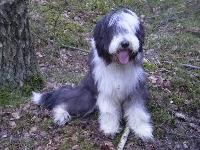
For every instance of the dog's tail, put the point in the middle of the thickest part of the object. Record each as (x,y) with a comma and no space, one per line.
(67,101)
(50,99)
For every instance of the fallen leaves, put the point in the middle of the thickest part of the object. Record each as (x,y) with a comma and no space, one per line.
(157,80)
(33,129)
(4,136)
(76,147)
(13,124)
(28,121)
(16,115)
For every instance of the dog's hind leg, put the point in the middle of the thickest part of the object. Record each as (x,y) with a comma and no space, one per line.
(60,115)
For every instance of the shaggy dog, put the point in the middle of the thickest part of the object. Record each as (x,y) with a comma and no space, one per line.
(116,82)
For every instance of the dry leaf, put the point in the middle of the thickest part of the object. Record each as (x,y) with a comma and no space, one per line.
(160,80)
(39,54)
(13,124)
(33,129)
(152,79)
(74,137)
(16,115)
(5,136)
(76,147)
(110,144)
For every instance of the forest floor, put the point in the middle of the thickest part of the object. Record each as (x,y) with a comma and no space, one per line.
(61,32)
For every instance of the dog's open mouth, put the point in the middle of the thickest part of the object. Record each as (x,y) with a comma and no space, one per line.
(123,56)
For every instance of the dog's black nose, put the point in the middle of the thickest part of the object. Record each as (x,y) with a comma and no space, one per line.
(124,43)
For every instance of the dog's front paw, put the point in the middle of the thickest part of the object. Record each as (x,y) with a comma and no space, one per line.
(110,131)
(144,131)
(109,128)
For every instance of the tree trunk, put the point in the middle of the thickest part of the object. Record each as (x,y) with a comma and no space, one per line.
(18,64)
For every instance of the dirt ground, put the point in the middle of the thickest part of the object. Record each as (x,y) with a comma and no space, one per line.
(29,126)
(172,40)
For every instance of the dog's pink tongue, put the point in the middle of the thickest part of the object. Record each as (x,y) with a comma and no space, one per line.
(123,57)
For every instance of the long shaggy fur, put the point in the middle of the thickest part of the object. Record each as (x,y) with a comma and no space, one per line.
(116,82)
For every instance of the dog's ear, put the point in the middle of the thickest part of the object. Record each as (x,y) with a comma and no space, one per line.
(102,35)
(140,34)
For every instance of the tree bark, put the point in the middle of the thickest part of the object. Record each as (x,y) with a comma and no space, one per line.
(18,61)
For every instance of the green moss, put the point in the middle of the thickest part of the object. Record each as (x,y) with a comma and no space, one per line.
(159,113)
(158,132)
(32,27)
(81,141)
(193,106)
(86,145)
(149,66)
(12,95)
(33,83)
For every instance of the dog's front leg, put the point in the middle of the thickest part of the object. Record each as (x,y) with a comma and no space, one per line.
(138,119)
(109,117)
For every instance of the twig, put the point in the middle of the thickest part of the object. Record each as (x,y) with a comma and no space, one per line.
(185,117)
(61,44)
(123,139)
(76,48)
(185,65)
(190,66)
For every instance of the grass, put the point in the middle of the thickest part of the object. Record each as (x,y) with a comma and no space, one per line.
(172,39)
(10,96)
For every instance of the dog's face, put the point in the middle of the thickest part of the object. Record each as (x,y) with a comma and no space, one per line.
(119,36)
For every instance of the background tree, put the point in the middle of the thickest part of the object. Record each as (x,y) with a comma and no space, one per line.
(18,64)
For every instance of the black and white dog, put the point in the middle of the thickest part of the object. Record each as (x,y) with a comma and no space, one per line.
(116,82)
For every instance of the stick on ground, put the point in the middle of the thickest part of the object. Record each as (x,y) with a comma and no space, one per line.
(123,139)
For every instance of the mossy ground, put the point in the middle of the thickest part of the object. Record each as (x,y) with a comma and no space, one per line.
(12,95)
(172,39)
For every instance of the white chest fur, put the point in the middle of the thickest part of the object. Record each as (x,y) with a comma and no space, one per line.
(115,80)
